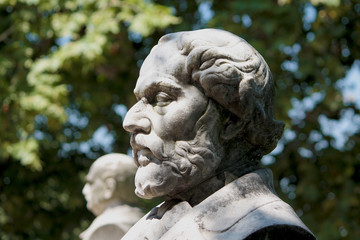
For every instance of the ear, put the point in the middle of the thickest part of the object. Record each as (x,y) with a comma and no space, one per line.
(110,187)
(232,129)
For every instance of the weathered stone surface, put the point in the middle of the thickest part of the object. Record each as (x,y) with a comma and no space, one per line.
(108,190)
(203,120)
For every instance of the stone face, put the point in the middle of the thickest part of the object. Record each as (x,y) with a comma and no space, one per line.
(108,191)
(203,120)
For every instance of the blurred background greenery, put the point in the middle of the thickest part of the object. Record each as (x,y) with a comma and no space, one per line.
(67,70)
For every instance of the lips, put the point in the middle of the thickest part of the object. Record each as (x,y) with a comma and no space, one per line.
(143,157)
(144,154)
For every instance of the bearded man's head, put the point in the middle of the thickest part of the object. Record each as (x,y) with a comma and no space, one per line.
(205,107)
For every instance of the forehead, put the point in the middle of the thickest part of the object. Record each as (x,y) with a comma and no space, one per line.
(164,65)
(94,173)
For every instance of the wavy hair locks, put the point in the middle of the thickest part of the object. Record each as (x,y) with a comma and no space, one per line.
(234,74)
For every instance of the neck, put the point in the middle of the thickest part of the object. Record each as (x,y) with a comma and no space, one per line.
(108,205)
(201,191)
(113,203)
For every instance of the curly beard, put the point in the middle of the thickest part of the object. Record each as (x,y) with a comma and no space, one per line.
(183,164)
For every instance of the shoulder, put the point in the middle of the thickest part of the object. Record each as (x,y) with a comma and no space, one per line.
(157,222)
(107,231)
(113,222)
(273,220)
(124,216)
(245,208)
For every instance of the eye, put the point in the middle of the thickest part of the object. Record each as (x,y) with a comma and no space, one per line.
(163,99)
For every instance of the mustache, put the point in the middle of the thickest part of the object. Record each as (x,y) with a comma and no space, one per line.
(157,147)
(176,155)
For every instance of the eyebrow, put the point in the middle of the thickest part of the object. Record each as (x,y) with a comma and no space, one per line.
(163,84)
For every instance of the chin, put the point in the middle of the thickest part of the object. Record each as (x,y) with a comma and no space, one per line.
(155,180)
(89,207)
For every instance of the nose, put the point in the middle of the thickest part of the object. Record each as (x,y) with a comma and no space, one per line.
(85,189)
(135,119)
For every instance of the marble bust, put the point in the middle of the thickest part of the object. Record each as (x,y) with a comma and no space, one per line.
(109,194)
(203,120)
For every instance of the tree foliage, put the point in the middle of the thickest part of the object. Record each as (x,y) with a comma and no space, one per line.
(67,70)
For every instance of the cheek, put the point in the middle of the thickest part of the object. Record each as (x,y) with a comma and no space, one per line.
(176,126)
(96,192)
(179,121)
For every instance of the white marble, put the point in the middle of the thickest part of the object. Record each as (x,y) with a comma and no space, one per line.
(109,190)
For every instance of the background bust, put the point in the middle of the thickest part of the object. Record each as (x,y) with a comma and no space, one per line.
(203,121)
(109,190)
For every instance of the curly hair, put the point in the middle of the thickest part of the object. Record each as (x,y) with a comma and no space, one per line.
(232,73)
